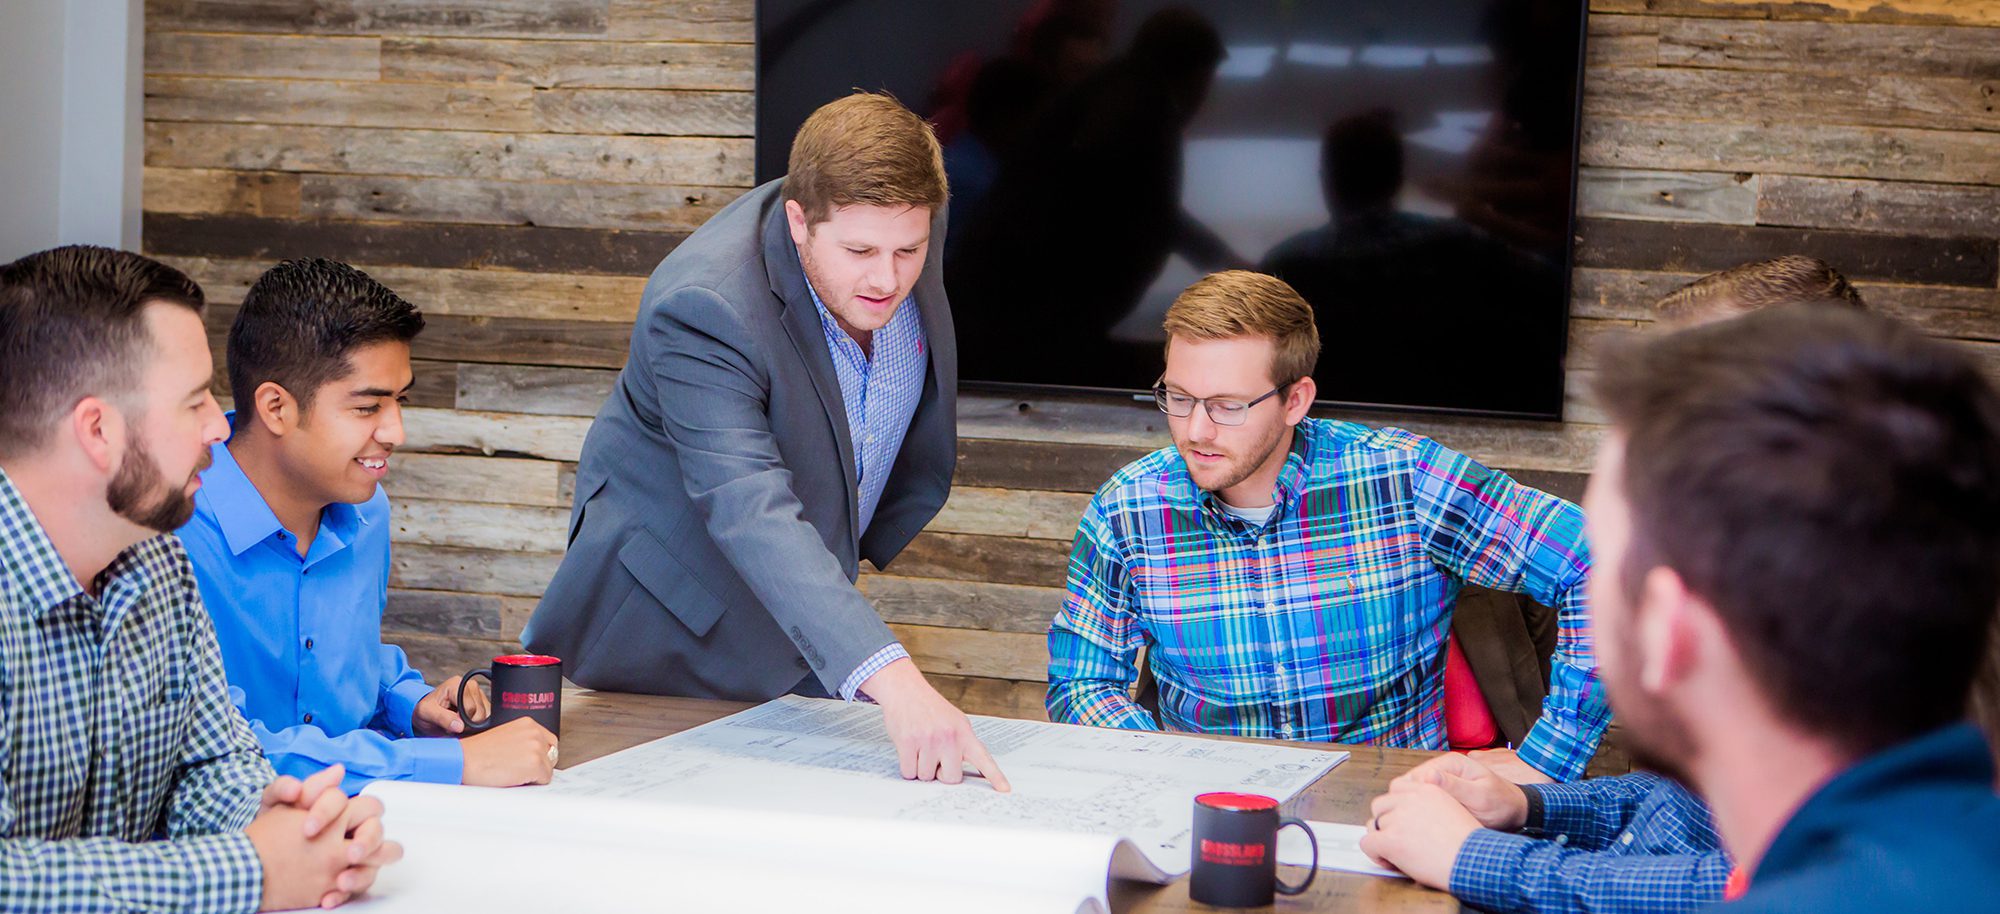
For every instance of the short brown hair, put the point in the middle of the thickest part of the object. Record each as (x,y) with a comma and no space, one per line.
(1789,280)
(70,328)
(864,149)
(1235,303)
(1829,481)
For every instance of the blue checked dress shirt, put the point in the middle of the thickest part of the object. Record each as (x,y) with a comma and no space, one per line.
(302,637)
(1636,843)
(126,778)
(879,394)
(1328,621)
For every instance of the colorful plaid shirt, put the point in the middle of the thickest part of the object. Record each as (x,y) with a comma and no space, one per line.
(126,776)
(1637,843)
(1328,622)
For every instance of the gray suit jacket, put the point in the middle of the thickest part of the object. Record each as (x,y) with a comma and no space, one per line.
(712,545)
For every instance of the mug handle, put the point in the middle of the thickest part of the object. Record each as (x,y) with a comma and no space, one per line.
(1311,839)
(472,726)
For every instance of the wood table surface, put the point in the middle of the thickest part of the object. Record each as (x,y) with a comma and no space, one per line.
(596,724)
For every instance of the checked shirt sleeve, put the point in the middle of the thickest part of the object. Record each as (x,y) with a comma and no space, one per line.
(1591,813)
(1483,527)
(1503,873)
(1095,638)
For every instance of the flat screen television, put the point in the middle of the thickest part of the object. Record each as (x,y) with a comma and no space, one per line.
(1409,166)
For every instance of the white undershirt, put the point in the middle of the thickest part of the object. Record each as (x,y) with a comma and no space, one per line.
(1255,517)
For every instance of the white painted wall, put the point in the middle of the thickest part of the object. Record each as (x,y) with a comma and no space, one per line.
(70,130)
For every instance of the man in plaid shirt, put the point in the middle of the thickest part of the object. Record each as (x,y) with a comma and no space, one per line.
(127,779)
(1294,578)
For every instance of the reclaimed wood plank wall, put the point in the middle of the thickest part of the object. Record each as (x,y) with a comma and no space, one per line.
(516,167)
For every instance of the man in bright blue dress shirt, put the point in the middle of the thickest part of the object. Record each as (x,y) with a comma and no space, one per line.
(290,543)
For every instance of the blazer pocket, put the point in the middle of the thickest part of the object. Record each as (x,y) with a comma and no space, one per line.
(670,582)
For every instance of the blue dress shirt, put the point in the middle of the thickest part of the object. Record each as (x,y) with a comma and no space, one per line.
(1635,843)
(302,637)
(879,395)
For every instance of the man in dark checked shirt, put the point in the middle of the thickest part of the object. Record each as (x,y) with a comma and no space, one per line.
(127,779)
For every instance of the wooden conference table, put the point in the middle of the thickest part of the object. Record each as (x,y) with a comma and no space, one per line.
(596,724)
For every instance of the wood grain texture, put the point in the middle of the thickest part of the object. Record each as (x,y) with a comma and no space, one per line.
(645,112)
(534,389)
(962,604)
(966,652)
(473,525)
(493,18)
(1923,12)
(215,192)
(1686,94)
(1898,207)
(278,56)
(492,480)
(482,292)
(1882,153)
(340,104)
(1622,41)
(1940,310)
(448,246)
(415,566)
(559,65)
(1672,196)
(682,20)
(1690,247)
(969,557)
(463,431)
(1011,513)
(387,198)
(1826,47)
(665,160)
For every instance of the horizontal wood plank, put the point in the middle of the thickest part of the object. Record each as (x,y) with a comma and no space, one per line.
(1011,513)
(962,604)
(992,697)
(1899,207)
(463,431)
(390,198)
(472,525)
(534,389)
(667,160)
(443,612)
(1883,153)
(1921,12)
(1939,310)
(999,559)
(340,104)
(1621,41)
(1004,464)
(1589,339)
(645,112)
(682,20)
(493,480)
(218,192)
(451,337)
(966,652)
(560,65)
(1686,94)
(486,292)
(1690,247)
(277,56)
(448,246)
(415,566)
(493,18)
(1826,47)
(1675,196)
(440,657)
(436,384)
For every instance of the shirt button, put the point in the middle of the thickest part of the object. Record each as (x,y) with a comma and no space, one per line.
(1625,838)
(309,644)
(309,717)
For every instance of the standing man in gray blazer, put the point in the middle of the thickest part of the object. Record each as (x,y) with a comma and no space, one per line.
(788,408)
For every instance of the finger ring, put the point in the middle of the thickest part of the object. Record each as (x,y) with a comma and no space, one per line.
(552,756)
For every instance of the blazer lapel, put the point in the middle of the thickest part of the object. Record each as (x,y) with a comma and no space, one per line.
(802,324)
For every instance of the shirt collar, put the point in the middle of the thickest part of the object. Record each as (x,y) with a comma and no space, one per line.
(232,501)
(838,338)
(29,556)
(1292,477)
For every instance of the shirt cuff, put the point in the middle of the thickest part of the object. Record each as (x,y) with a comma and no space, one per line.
(224,874)
(1487,873)
(400,702)
(435,760)
(850,689)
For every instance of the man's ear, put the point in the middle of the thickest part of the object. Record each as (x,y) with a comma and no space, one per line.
(1673,623)
(1299,400)
(275,408)
(795,219)
(100,431)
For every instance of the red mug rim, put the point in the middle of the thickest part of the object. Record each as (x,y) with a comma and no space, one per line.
(526,660)
(1229,801)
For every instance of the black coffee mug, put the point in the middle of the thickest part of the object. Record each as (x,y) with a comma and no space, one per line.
(1236,851)
(524,685)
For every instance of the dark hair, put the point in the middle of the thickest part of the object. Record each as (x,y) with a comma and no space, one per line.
(1788,280)
(299,323)
(1829,480)
(70,328)
(1361,160)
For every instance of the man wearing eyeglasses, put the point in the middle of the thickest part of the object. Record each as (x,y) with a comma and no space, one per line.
(1293,578)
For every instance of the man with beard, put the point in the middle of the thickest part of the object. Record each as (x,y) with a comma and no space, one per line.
(1294,578)
(788,409)
(127,782)
(290,542)
(1796,520)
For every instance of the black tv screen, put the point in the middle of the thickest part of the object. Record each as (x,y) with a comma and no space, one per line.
(1408,166)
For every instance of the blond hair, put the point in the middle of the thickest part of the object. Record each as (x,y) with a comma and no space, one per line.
(1788,280)
(1238,303)
(864,149)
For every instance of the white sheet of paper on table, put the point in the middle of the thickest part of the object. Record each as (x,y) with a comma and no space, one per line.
(1339,849)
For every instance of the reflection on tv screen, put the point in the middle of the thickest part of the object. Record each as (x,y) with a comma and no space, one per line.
(1406,165)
